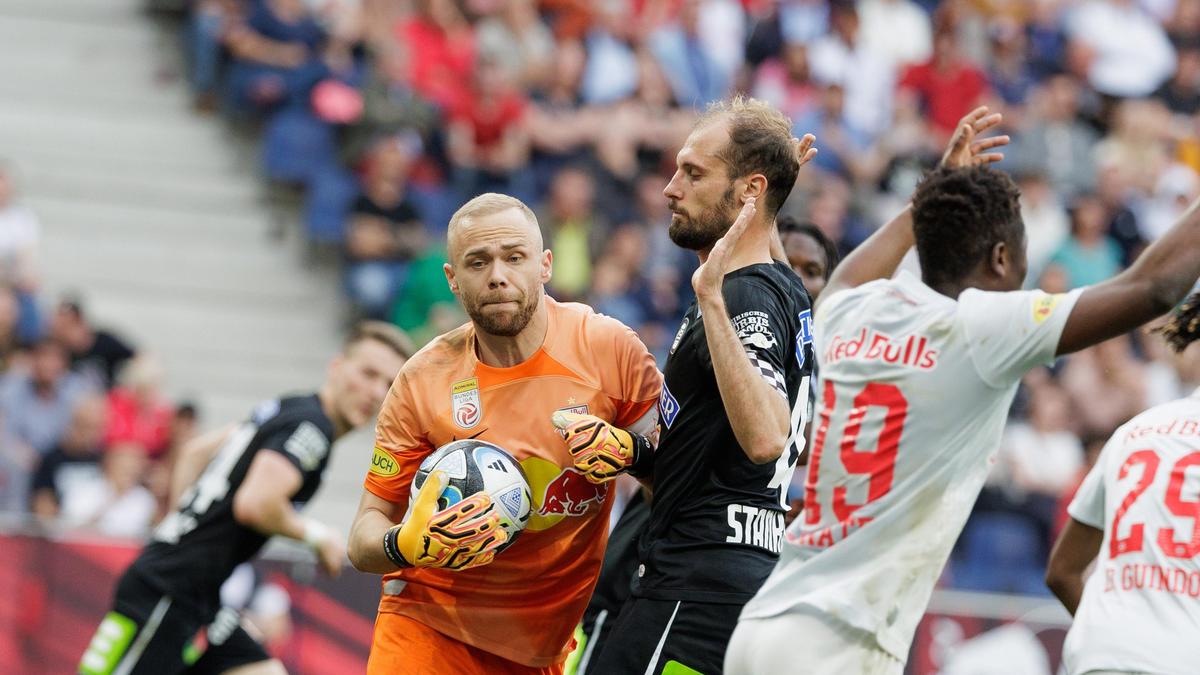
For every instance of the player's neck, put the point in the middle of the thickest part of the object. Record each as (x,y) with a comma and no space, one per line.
(754,248)
(501,351)
(340,426)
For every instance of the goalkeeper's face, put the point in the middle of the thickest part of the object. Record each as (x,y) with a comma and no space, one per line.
(499,270)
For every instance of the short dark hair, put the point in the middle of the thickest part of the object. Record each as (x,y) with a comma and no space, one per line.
(1183,326)
(959,215)
(789,225)
(760,141)
(383,333)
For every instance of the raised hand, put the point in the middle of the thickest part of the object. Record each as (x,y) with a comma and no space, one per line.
(964,150)
(707,279)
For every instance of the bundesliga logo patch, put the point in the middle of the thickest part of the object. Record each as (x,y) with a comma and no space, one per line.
(465,406)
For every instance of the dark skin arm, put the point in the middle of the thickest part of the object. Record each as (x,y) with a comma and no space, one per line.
(1155,283)
(1075,549)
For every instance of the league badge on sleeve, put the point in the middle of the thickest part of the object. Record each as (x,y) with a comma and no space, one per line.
(466,408)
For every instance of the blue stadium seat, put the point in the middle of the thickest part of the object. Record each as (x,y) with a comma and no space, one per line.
(330,195)
(1000,552)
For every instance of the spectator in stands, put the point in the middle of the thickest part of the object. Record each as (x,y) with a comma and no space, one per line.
(487,138)
(867,77)
(1108,385)
(611,69)
(17,464)
(899,30)
(786,82)
(1010,72)
(1181,93)
(20,232)
(74,460)
(1088,256)
(1136,143)
(1124,225)
(278,40)
(11,343)
(573,230)
(1056,143)
(95,353)
(138,413)
(561,130)
(945,87)
(620,290)
(1174,187)
(384,232)
(390,104)
(845,148)
(1129,54)
(208,25)
(115,504)
(695,74)
(1039,459)
(441,51)
(37,404)
(517,39)
(1047,223)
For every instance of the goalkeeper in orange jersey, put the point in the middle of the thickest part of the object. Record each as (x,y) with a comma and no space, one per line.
(569,393)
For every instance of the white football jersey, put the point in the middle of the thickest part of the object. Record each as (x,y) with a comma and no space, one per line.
(914,393)
(1141,606)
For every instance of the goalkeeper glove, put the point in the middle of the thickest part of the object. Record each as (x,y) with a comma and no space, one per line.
(460,537)
(601,451)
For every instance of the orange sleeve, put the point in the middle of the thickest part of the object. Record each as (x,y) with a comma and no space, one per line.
(401,444)
(639,381)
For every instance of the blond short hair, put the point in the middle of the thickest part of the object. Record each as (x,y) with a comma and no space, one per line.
(487,204)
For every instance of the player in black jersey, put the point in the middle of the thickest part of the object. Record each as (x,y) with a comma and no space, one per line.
(735,398)
(239,486)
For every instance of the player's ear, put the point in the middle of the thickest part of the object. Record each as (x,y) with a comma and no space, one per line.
(1000,259)
(756,186)
(449,272)
(547,266)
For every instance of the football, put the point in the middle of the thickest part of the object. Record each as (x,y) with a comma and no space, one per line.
(474,466)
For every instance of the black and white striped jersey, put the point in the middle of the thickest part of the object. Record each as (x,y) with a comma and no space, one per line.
(197,547)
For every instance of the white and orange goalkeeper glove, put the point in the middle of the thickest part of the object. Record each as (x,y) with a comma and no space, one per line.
(460,537)
(601,452)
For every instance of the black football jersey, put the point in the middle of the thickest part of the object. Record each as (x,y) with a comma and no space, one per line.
(196,547)
(716,520)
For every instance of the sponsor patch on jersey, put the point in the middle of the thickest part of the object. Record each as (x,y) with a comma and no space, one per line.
(1044,306)
(668,407)
(753,328)
(575,409)
(679,336)
(466,408)
(308,445)
(382,463)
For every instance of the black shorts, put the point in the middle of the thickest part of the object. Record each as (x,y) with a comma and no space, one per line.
(148,633)
(667,637)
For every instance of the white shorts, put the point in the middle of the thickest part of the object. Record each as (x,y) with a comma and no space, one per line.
(804,644)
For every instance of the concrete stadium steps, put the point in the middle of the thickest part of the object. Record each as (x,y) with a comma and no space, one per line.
(159,217)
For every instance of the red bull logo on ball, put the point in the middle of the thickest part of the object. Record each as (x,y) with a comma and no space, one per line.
(570,494)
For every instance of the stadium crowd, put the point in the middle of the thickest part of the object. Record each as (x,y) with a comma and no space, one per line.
(387,115)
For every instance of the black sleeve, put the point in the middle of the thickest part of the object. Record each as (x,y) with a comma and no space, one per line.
(43,478)
(301,441)
(762,323)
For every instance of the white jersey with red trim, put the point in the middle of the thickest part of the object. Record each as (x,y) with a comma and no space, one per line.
(1140,609)
(914,392)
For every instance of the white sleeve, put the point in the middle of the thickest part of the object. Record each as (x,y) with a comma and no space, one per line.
(1088,504)
(1010,333)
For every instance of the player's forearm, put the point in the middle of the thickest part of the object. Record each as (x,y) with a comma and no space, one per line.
(191,459)
(877,257)
(269,517)
(1170,265)
(366,543)
(1068,588)
(756,412)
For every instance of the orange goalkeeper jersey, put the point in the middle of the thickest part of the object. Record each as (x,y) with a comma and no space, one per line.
(525,604)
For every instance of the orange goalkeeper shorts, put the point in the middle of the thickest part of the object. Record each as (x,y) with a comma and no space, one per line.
(404,646)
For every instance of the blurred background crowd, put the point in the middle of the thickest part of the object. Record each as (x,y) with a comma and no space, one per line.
(382,116)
